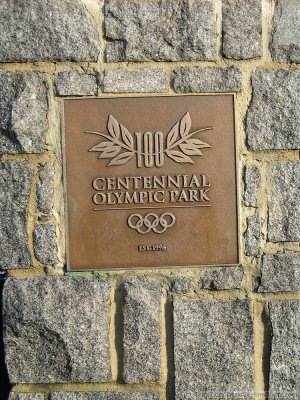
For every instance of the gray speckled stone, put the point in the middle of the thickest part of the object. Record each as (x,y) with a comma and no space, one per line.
(280,272)
(213,348)
(242,28)
(223,278)
(73,83)
(103,396)
(284,380)
(15,185)
(23,112)
(45,189)
(283,202)
(47,30)
(56,329)
(251,185)
(142,341)
(203,79)
(273,119)
(285,43)
(252,236)
(168,30)
(139,80)
(15,188)
(26,396)
(45,244)
(182,284)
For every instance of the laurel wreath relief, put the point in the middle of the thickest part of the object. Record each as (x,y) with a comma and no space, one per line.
(120,146)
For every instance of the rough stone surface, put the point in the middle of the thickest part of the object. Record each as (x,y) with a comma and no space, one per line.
(252,236)
(251,185)
(15,188)
(213,348)
(103,396)
(223,278)
(285,44)
(142,342)
(56,329)
(280,272)
(73,83)
(45,188)
(168,30)
(23,111)
(45,244)
(140,80)
(47,30)
(285,351)
(283,202)
(273,119)
(26,396)
(202,79)
(242,28)
(182,284)
(16,178)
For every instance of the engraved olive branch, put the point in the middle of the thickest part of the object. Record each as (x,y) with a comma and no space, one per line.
(187,145)
(109,138)
(190,135)
(112,148)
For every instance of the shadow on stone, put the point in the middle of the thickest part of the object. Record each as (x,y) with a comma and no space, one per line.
(4,382)
(267,347)
(170,389)
(119,327)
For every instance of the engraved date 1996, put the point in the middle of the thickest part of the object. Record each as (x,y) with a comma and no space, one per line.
(152,247)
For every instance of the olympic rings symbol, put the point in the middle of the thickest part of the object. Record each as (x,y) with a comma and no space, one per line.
(151,221)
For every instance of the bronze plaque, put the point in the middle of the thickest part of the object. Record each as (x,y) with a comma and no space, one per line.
(151,181)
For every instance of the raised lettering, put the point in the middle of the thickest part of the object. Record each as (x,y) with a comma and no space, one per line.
(159,149)
(148,149)
(95,184)
(99,198)
(156,199)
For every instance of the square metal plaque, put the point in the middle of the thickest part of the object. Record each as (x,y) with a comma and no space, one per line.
(150,181)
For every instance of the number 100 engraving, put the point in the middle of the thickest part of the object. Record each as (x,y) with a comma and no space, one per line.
(150,147)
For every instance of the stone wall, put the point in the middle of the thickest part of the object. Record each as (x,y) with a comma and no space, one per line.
(180,334)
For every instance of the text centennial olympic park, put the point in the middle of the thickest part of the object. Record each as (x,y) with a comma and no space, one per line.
(151,189)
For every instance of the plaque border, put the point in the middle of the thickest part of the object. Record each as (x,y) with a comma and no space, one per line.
(65,194)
